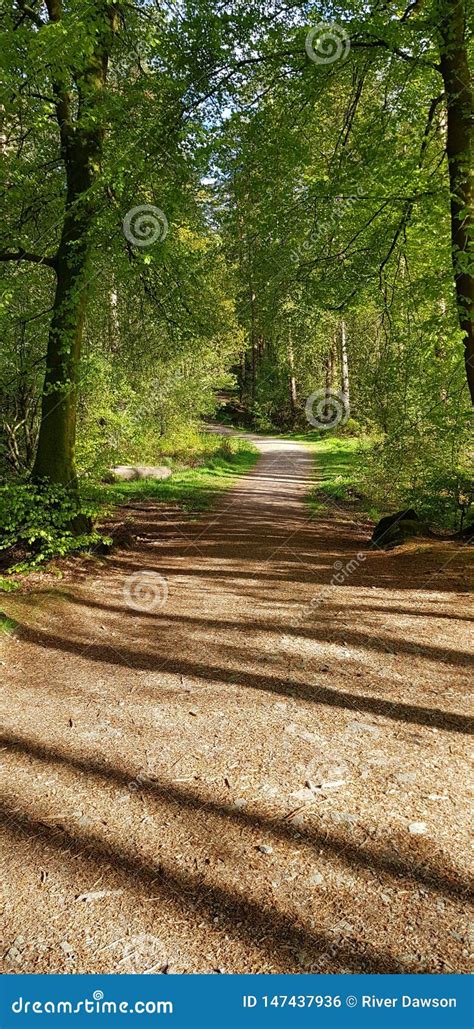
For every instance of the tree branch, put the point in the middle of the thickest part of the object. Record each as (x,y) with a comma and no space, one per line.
(27,11)
(25,255)
(409,10)
(370,44)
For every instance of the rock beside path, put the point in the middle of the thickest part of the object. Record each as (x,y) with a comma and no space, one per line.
(391,521)
(131,472)
(395,529)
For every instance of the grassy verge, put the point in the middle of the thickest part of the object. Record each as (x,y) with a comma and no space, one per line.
(336,470)
(37,522)
(346,473)
(337,460)
(192,489)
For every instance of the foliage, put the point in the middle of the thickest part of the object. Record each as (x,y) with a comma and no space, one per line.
(37,522)
(437,483)
(355,471)
(339,460)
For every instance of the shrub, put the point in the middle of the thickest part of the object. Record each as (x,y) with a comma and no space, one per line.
(36,524)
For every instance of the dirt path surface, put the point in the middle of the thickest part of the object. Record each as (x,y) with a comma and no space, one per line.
(243,768)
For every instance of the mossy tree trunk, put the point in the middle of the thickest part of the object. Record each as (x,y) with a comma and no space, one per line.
(81,133)
(55,455)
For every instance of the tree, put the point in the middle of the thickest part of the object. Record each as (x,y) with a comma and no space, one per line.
(76,92)
(454,67)
(81,128)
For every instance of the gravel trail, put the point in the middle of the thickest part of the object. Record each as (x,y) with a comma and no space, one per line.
(239,745)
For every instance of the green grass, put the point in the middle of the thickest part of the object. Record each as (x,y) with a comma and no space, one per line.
(7,624)
(191,489)
(337,461)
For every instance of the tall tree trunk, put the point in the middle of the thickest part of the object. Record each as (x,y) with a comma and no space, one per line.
(242,376)
(454,68)
(329,370)
(344,367)
(253,339)
(113,320)
(329,378)
(55,458)
(254,367)
(81,137)
(291,365)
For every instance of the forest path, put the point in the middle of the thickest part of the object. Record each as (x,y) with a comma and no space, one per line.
(158,813)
